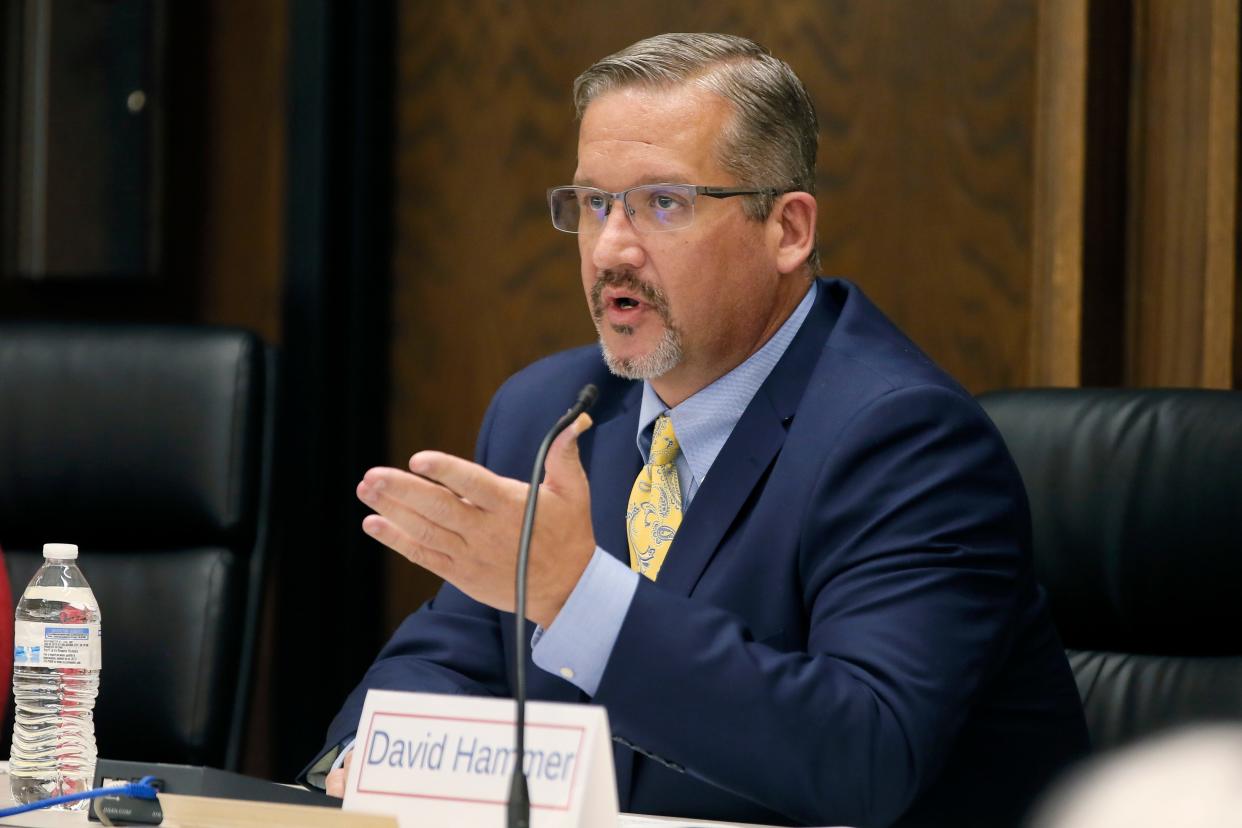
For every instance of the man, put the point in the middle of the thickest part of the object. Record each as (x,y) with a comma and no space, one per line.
(791,558)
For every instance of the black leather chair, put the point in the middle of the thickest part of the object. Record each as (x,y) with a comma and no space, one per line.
(149,447)
(1136,506)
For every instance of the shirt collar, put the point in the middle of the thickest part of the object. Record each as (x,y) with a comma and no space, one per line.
(704,421)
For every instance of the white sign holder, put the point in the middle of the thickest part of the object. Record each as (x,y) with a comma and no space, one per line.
(446,760)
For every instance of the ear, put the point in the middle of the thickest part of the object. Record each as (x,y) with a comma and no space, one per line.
(791,229)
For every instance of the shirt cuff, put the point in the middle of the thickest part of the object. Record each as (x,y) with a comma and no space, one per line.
(340,757)
(330,761)
(578,643)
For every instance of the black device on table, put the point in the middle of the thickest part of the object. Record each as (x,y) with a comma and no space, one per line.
(188,780)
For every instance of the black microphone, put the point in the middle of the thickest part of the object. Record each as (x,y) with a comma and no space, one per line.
(519,795)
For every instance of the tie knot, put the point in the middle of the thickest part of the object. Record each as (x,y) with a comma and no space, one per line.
(663,442)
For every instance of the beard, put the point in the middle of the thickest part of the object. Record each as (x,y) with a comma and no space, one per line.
(667,353)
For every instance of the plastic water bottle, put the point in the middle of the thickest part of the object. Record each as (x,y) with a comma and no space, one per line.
(56,659)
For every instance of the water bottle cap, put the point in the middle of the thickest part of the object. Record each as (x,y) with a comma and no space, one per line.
(60,551)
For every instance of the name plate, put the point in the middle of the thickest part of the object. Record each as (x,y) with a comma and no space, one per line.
(431,759)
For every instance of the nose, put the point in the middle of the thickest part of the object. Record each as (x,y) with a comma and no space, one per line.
(617,244)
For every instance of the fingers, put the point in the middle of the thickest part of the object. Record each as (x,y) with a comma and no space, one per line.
(465,479)
(432,524)
(398,540)
(564,467)
(460,521)
(334,783)
(429,514)
(385,487)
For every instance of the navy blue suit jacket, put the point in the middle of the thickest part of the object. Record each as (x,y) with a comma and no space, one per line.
(847,629)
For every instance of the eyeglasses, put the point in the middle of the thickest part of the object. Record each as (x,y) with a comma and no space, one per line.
(652,208)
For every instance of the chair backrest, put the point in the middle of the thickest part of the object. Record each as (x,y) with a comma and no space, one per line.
(1136,508)
(149,447)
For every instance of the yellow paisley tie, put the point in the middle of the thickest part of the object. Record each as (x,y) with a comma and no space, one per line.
(654,512)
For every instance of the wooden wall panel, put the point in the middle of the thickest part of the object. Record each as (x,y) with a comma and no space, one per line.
(1078,223)
(1059,180)
(1182,222)
(223,164)
(1223,270)
(242,215)
(925,184)
(925,171)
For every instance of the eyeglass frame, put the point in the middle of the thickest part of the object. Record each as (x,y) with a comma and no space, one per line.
(623,195)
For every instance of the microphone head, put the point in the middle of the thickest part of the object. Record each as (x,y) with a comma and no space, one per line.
(587,396)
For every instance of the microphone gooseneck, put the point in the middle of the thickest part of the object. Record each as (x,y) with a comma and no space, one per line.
(519,795)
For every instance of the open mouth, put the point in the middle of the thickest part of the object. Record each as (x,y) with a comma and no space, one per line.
(620,300)
(624,301)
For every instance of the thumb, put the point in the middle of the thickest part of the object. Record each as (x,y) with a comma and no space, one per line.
(564,467)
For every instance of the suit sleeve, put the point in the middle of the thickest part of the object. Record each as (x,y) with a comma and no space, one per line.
(910,563)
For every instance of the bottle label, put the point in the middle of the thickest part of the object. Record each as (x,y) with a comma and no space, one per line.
(36,644)
(80,598)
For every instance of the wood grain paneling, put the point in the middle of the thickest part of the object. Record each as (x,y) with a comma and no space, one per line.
(1182,224)
(244,165)
(925,171)
(1057,221)
(1223,276)
(924,180)
(223,162)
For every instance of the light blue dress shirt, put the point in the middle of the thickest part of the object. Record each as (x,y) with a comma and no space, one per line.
(579,642)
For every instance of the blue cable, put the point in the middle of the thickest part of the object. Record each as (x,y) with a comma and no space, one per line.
(142,789)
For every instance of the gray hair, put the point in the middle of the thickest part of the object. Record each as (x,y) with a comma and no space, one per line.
(773,138)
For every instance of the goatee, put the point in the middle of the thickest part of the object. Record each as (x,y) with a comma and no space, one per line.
(667,353)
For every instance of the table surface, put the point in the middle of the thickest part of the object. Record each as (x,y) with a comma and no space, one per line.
(64,819)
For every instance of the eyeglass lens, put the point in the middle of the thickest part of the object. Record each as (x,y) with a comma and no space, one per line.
(651,207)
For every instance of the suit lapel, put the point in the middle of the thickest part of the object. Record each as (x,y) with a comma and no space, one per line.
(749,450)
(747,454)
(612,462)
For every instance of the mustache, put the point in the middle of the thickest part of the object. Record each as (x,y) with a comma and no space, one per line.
(628,281)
